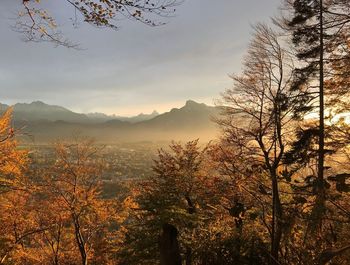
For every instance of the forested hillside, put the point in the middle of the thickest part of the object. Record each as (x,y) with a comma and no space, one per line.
(271,186)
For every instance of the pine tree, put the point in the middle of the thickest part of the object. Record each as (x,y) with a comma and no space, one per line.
(317,27)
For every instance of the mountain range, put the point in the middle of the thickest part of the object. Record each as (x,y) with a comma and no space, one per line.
(43,123)
(38,110)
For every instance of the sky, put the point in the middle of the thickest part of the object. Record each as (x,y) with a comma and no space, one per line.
(136,68)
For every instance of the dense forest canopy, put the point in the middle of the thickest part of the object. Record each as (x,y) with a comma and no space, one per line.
(273,188)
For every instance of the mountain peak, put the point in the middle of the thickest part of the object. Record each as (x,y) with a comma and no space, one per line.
(154,113)
(191,103)
(38,102)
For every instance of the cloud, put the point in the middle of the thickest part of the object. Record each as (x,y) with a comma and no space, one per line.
(137,66)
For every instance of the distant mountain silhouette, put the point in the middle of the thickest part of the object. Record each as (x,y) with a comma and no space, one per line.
(193,115)
(138,118)
(40,111)
(193,120)
(101,117)
(3,107)
(46,123)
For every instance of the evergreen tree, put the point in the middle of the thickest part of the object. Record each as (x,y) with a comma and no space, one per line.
(318,29)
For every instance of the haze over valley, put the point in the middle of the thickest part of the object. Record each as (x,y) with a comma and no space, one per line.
(42,123)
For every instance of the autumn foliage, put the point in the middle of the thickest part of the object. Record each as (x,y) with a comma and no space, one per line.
(272,189)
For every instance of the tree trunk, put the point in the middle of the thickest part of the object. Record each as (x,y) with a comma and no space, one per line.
(80,241)
(169,246)
(188,256)
(277,223)
(191,210)
(321,128)
(319,208)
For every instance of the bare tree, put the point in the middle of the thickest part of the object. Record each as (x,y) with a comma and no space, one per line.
(256,117)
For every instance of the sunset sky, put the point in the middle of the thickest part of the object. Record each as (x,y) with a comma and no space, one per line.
(135,69)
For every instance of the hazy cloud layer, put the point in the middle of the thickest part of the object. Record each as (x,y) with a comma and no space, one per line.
(137,68)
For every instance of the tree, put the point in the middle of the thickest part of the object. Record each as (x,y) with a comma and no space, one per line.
(257,114)
(61,217)
(36,23)
(166,199)
(73,185)
(13,161)
(320,32)
(179,197)
(14,187)
(54,244)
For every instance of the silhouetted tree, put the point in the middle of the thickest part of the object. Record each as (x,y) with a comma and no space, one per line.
(320,34)
(256,122)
